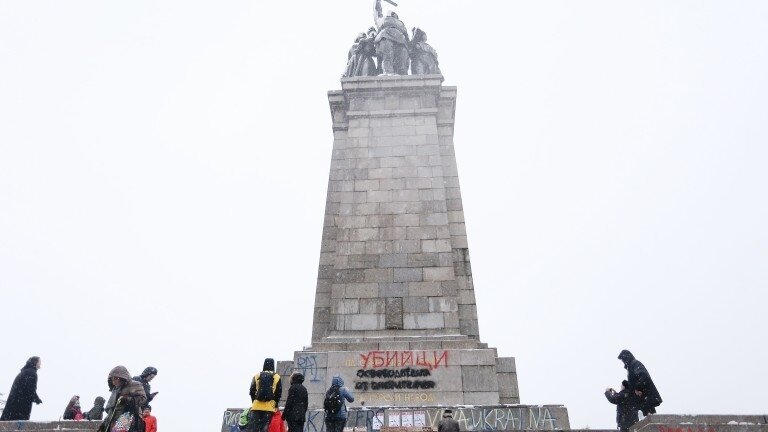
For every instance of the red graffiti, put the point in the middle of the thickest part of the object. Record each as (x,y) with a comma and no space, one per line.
(686,429)
(397,359)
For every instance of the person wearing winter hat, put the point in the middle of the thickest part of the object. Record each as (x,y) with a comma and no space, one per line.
(125,401)
(627,403)
(335,422)
(148,375)
(295,410)
(266,391)
(641,383)
(448,423)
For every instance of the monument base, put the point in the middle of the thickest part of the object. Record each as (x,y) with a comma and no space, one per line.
(410,373)
(426,418)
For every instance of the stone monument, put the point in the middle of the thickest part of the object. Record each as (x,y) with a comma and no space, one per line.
(395,313)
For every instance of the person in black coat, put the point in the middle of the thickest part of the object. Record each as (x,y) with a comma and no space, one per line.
(23,392)
(295,410)
(627,403)
(148,375)
(641,383)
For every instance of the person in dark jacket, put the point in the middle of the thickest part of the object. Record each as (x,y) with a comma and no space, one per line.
(447,423)
(295,410)
(641,383)
(148,375)
(97,412)
(336,422)
(263,410)
(23,392)
(627,403)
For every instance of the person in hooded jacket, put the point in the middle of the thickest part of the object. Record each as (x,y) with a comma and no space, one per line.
(336,422)
(148,375)
(448,424)
(262,410)
(627,403)
(641,383)
(23,392)
(97,412)
(296,404)
(125,401)
(73,411)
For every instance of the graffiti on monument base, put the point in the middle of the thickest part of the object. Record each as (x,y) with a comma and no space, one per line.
(479,419)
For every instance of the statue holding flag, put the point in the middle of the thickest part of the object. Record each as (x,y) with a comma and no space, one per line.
(391,41)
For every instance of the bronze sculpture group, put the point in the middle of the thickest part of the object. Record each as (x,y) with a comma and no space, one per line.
(387,50)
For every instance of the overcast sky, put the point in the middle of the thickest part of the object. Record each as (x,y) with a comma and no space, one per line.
(163,170)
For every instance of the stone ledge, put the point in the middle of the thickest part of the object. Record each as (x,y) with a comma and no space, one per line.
(40,426)
(394,113)
(702,423)
(391,83)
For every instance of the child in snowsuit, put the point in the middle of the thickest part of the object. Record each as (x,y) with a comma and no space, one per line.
(627,404)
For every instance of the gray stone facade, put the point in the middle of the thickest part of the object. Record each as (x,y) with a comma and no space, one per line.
(395,313)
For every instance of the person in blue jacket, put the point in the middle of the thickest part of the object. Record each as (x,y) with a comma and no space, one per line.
(336,416)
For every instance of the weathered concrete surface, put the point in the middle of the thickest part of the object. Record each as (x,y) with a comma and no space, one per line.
(37,426)
(702,423)
(470,418)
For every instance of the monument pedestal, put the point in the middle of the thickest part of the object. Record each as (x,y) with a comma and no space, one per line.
(395,312)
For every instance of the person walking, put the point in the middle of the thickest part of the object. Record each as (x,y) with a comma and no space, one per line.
(266,391)
(148,375)
(150,422)
(627,403)
(448,423)
(335,406)
(73,411)
(23,392)
(125,401)
(641,383)
(295,411)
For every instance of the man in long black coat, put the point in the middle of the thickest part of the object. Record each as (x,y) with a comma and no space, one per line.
(295,411)
(23,393)
(641,383)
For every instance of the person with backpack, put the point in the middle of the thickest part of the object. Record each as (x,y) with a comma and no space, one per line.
(295,411)
(627,403)
(266,391)
(335,406)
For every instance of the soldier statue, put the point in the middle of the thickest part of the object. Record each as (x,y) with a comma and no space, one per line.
(360,58)
(391,42)
(423,56)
